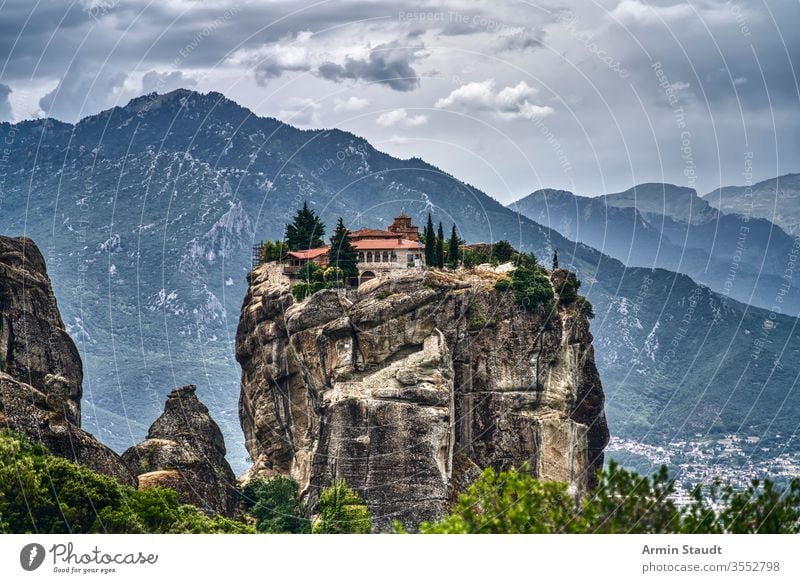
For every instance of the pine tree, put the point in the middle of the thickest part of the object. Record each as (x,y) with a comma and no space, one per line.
(555,258)
(440,247)
(342,254)
(306,230)
(430,243)
(453,249)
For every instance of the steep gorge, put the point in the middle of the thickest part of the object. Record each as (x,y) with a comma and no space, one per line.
(410,385)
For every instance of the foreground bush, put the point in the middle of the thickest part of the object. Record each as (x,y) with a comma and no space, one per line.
(341,511)
(46,494)
(623,502)
(276,506)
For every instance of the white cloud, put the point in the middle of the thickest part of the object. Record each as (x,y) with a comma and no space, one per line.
(634,11)
(401,118)
(300,111)
(507,104)
(165,82)
(351,104)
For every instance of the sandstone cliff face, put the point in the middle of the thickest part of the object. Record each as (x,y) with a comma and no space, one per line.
(40,370)
(408,387)
(33,341)
(185,451)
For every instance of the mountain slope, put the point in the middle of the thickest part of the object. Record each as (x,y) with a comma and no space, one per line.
(147,213)
(743,259)
(777,200)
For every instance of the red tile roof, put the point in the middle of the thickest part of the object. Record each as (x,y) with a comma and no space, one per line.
(372,234)
(309,254)
(372,244)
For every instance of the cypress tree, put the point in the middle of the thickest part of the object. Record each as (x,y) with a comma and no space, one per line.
(306,230)
(440,247)
(342,254)
(452,249)
(430,243)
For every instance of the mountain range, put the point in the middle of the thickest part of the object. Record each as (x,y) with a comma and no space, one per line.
(147,213)
(671,227)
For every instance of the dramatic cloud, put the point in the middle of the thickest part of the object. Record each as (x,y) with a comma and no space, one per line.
(270,61)
(165,82)
(351,104)
(83,91)
(5,104)
(387,64)
(400,118)
(507,104)
(731,65)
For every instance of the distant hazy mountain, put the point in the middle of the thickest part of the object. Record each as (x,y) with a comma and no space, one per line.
(777,200)
(662,225)
(146,215)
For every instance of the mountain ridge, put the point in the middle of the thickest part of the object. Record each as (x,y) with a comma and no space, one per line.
(121,222)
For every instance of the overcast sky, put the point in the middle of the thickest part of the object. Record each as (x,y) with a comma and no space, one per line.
(509,96)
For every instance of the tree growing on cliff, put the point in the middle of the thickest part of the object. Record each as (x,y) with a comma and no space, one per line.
(342,254)
(276,506)
(273,251)
(440,247)
(341,511)
(430,243)
(453,249)
(306,230)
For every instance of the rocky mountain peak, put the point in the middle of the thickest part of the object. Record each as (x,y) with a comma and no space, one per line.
(185,451)
(409,386)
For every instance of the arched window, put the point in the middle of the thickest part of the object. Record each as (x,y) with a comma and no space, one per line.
(361,256)
(394,257)
(386,257)
(369,256)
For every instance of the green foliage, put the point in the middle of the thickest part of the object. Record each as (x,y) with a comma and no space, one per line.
(342,254)
(275,505)
(43,493)
(440,247)
(513,502)
(306,230)
(430,243)
(497,253)
(341,511)
(502,251)
(568,289)
(532,288)
(333,277)
(273,251)
(453,249)
(510,502)
(303,290)
(310,272)
(502,285)
(585,307)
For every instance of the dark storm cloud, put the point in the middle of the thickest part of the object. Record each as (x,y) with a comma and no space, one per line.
(5,104)
(387,64)
(82,91)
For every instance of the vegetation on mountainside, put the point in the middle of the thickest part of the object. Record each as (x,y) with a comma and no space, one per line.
(514,502)
(42,493)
